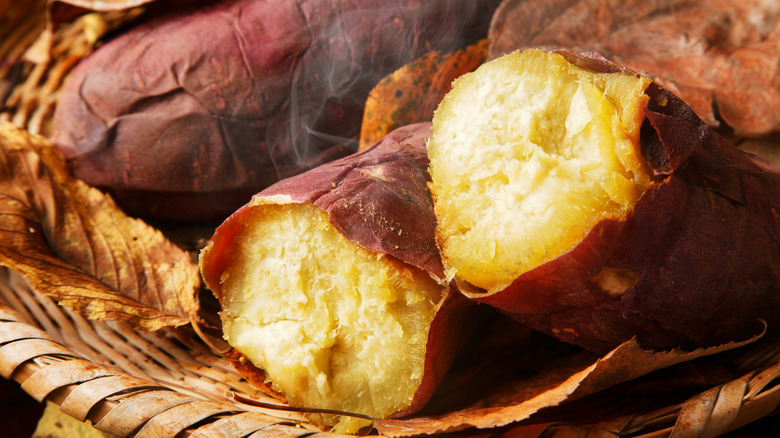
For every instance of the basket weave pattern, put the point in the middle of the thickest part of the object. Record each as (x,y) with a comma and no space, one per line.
(127,383)
(170,383)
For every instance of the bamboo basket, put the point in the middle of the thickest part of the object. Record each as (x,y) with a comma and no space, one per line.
(170,383)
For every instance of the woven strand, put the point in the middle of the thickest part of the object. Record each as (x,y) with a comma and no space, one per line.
(84,397)
(13,355)
(172,421)
(727,406)
(760,405)
(135,409)
(71,372)
(238,425)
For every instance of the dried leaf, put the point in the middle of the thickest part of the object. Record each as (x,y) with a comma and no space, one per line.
(514,388)
(74,244)
(719,56)
(411,93)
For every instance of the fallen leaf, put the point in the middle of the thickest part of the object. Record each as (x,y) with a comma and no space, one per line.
(719,56)
(72,243)
(411,93)
(514,387)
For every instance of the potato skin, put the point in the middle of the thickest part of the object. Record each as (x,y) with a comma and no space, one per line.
(696,263)
(185,116)
(379,199)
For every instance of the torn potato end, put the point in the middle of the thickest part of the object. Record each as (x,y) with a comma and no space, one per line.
(334,325)
(527,154)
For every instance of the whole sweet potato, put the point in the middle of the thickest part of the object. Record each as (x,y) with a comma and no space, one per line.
(186,116)
(331,284)
(596,206)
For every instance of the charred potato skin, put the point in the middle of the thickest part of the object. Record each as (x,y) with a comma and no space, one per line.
(696,263)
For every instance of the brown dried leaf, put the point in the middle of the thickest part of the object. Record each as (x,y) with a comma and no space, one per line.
(515,387)
(719,56)
(411,93)
(74,244)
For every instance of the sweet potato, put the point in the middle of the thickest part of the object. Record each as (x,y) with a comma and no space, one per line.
(589,203)
(331,283)
(187,115)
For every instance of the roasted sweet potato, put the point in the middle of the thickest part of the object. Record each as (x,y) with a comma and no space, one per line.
(186,116)
(331,283)
(589,203)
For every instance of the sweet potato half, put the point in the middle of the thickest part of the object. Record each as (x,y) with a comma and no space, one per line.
(589,203)
(187,115)
(331,283)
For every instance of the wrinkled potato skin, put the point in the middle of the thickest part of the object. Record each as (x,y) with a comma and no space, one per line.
(187,115)
(379,199)
(369,196)
(696,263)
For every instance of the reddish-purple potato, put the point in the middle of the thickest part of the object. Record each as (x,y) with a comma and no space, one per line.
(692,258)
(187,115)
(355,237)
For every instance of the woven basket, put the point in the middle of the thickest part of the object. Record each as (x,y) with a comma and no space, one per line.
(170,383)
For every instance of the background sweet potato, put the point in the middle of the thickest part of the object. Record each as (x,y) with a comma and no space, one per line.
(186,116)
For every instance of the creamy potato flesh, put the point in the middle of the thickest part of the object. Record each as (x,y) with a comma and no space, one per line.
(333,325)
(527,154)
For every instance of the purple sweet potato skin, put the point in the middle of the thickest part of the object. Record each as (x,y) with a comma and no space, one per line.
(184,117)
(378,198)
(696,263)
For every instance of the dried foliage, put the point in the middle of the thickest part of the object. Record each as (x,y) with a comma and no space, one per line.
(512,376)
(719,56)
(74,244)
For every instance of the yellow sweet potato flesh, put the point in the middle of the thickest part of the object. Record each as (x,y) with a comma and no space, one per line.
(544,152)
(326,319)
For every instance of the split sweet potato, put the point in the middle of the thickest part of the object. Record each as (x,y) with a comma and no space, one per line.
(187,115)
(331,284)
(591,204)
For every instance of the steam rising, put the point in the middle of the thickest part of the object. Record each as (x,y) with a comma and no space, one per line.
(349,54)
(187,114)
